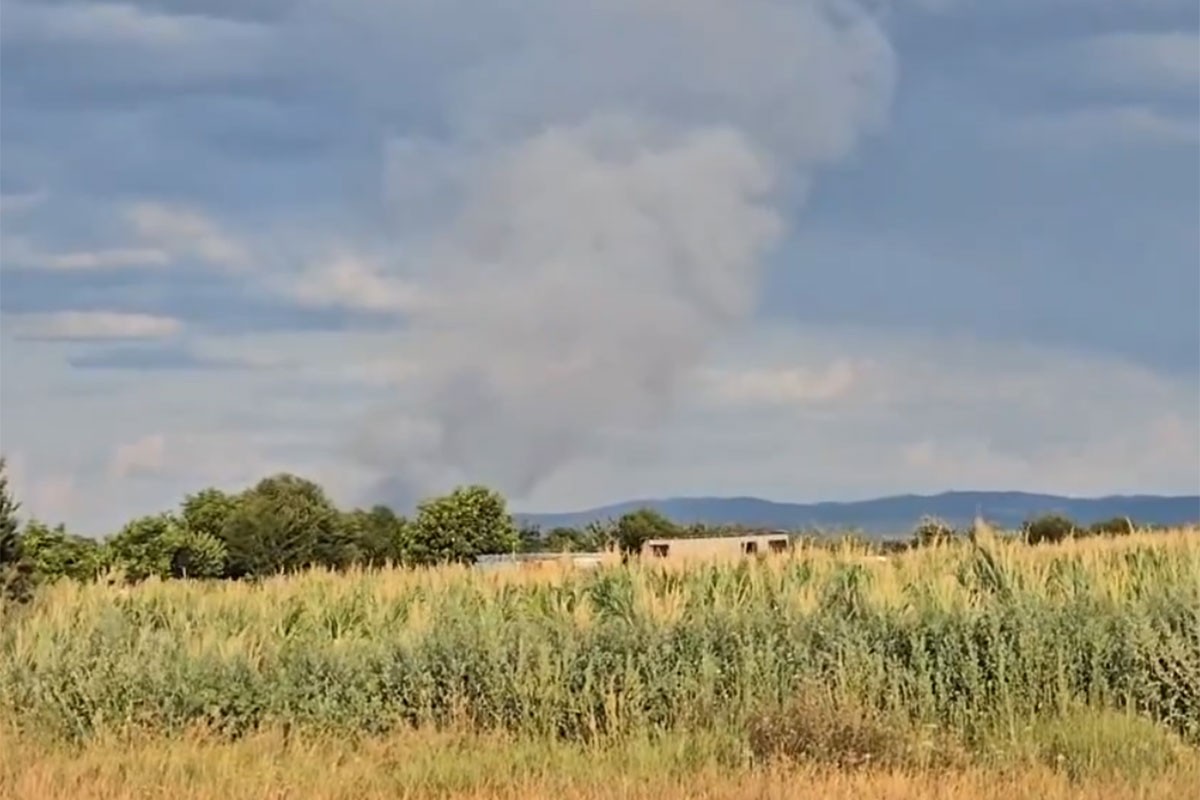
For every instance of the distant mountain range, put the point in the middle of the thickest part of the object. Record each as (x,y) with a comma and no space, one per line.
(897,515)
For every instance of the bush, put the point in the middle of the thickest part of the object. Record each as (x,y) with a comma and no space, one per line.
(196,554)
(636,528)
(845,734)
(161,546)
(55,554)
(1049,528)
(1093,741)
(1117,526)
(16,571)
(469,522)
(282,524)
(379,535)
(932,531)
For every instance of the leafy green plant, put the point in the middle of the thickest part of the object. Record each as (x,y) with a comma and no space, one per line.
(162,546)
(1117,526)
(931,531)
(55,553)
(16,570)
(635,528)
(1087,741)
(282,524)
(458,527)
(378,535)
(1049,528)
(816,727)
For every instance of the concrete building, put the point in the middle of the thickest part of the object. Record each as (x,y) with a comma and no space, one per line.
(538,560)
(716,547)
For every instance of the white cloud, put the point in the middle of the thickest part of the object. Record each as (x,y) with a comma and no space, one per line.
(153,472)
(929,415)
(154,47)
(786,385)
(1106,126)
(163,234)
(921,414)
(82,260)
(188,232)
(109,23)
(591,222)
(353,282)
(147,455)
(200,457)
(93,325)
(16,202)
(48,496)
(1141,60)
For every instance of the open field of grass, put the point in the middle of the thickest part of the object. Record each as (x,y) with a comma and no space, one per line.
(426,764)
(971,670)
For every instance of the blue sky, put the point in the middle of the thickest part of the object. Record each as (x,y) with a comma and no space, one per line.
(586,252)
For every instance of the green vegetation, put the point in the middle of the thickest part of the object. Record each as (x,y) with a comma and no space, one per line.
(16,570)
(286,523)
(272,612)
(968,647)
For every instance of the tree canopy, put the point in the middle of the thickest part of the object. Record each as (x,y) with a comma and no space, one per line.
(286,523)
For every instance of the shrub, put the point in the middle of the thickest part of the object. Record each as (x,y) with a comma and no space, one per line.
(16,571)
(636,528)
(813,729)
(161,546)
(469,522)
(1117,526)
(932,531)
(846,734)
(1049,529)
(282,524)
(196,554)
(55,554)
(379,535)
(1088,741)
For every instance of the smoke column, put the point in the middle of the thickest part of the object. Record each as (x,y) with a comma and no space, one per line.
(615,175)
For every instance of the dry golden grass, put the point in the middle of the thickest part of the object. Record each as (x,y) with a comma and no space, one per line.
(122,670)
(440,765)
(1093,553)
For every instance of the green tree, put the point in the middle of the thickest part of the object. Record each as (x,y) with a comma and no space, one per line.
(469,522)
(378,535)
(931,531)
(10,535)
(163,546)
(55,554)
(208,511)
(1117,526)
(529,539)
(603,535)
(569,540)
(196,554)
(1049,528)
(16,571)
(636,528)
(284,523)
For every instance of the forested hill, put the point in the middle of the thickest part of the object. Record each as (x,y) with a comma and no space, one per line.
(893,515)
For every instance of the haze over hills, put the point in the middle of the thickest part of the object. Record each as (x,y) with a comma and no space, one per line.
(892,515)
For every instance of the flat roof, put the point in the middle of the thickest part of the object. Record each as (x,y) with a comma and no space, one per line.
(732,538)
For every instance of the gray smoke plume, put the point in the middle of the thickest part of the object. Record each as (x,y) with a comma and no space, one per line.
(619,170)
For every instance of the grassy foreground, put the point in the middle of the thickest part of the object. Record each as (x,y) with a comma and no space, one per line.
(428,764)
(973,670)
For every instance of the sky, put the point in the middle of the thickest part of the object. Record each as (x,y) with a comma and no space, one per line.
(588,252)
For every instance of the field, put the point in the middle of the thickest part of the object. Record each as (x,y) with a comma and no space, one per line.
(991,669)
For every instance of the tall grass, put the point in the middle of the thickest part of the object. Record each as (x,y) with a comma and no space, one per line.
(423,764)
(984,641)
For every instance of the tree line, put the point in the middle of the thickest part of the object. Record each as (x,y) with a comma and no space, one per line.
(286,523)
